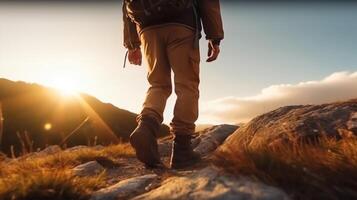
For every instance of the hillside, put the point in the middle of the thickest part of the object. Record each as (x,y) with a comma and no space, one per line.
(42,116)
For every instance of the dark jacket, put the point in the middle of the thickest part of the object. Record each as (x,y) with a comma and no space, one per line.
(208,14)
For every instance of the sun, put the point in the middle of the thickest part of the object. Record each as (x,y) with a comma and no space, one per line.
(66,89)
(65,86)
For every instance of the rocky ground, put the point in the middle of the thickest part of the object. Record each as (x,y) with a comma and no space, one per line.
(130,180)
(127,178)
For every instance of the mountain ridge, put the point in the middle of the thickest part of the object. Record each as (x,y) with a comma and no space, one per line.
(41,116)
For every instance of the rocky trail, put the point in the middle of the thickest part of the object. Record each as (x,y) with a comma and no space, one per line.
(131,180)
(206,181)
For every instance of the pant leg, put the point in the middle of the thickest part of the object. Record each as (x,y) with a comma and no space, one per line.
(159,74)
(184,60)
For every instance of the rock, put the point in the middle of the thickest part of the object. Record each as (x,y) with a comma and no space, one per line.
(206,141)
(77,148)
(210,139)
(209,183)
(50,150)
(124,188)
(88,169)
(352,123)
(98,147)
(83,147)
(299,123)
(106,162)
(4,158)
(165,146)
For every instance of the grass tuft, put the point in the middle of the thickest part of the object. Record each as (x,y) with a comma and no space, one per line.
(51,177)
(48,184)
(325,170)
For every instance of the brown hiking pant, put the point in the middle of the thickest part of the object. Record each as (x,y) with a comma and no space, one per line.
(171,47)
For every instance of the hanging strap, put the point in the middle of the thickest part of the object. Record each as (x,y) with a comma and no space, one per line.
(125,58)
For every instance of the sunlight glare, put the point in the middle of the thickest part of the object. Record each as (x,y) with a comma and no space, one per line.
(66,90)
(66,86)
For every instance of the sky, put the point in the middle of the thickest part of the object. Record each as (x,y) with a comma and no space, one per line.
(273,54)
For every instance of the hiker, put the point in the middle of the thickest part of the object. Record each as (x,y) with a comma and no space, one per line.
(168,32)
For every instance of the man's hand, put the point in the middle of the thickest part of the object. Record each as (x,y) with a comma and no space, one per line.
(135,56)
(213,51)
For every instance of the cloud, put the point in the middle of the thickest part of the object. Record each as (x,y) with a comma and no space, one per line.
(338,86)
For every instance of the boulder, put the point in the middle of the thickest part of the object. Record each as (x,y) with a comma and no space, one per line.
(299,123)
(205,142)
(210,139)
(209,184)
(124,188)
(88,169)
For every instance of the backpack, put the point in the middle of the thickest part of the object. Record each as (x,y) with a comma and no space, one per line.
(150,11)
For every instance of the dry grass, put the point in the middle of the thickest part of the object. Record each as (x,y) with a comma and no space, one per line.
(326,170)
(48,184)
(50,177)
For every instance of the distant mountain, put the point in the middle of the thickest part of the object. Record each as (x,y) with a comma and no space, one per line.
(35,116)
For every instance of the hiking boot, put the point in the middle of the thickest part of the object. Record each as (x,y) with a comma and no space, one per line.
(182,152)
(143,140)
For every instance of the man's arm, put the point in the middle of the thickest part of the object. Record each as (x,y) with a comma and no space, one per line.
(210,11)
(131,39)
